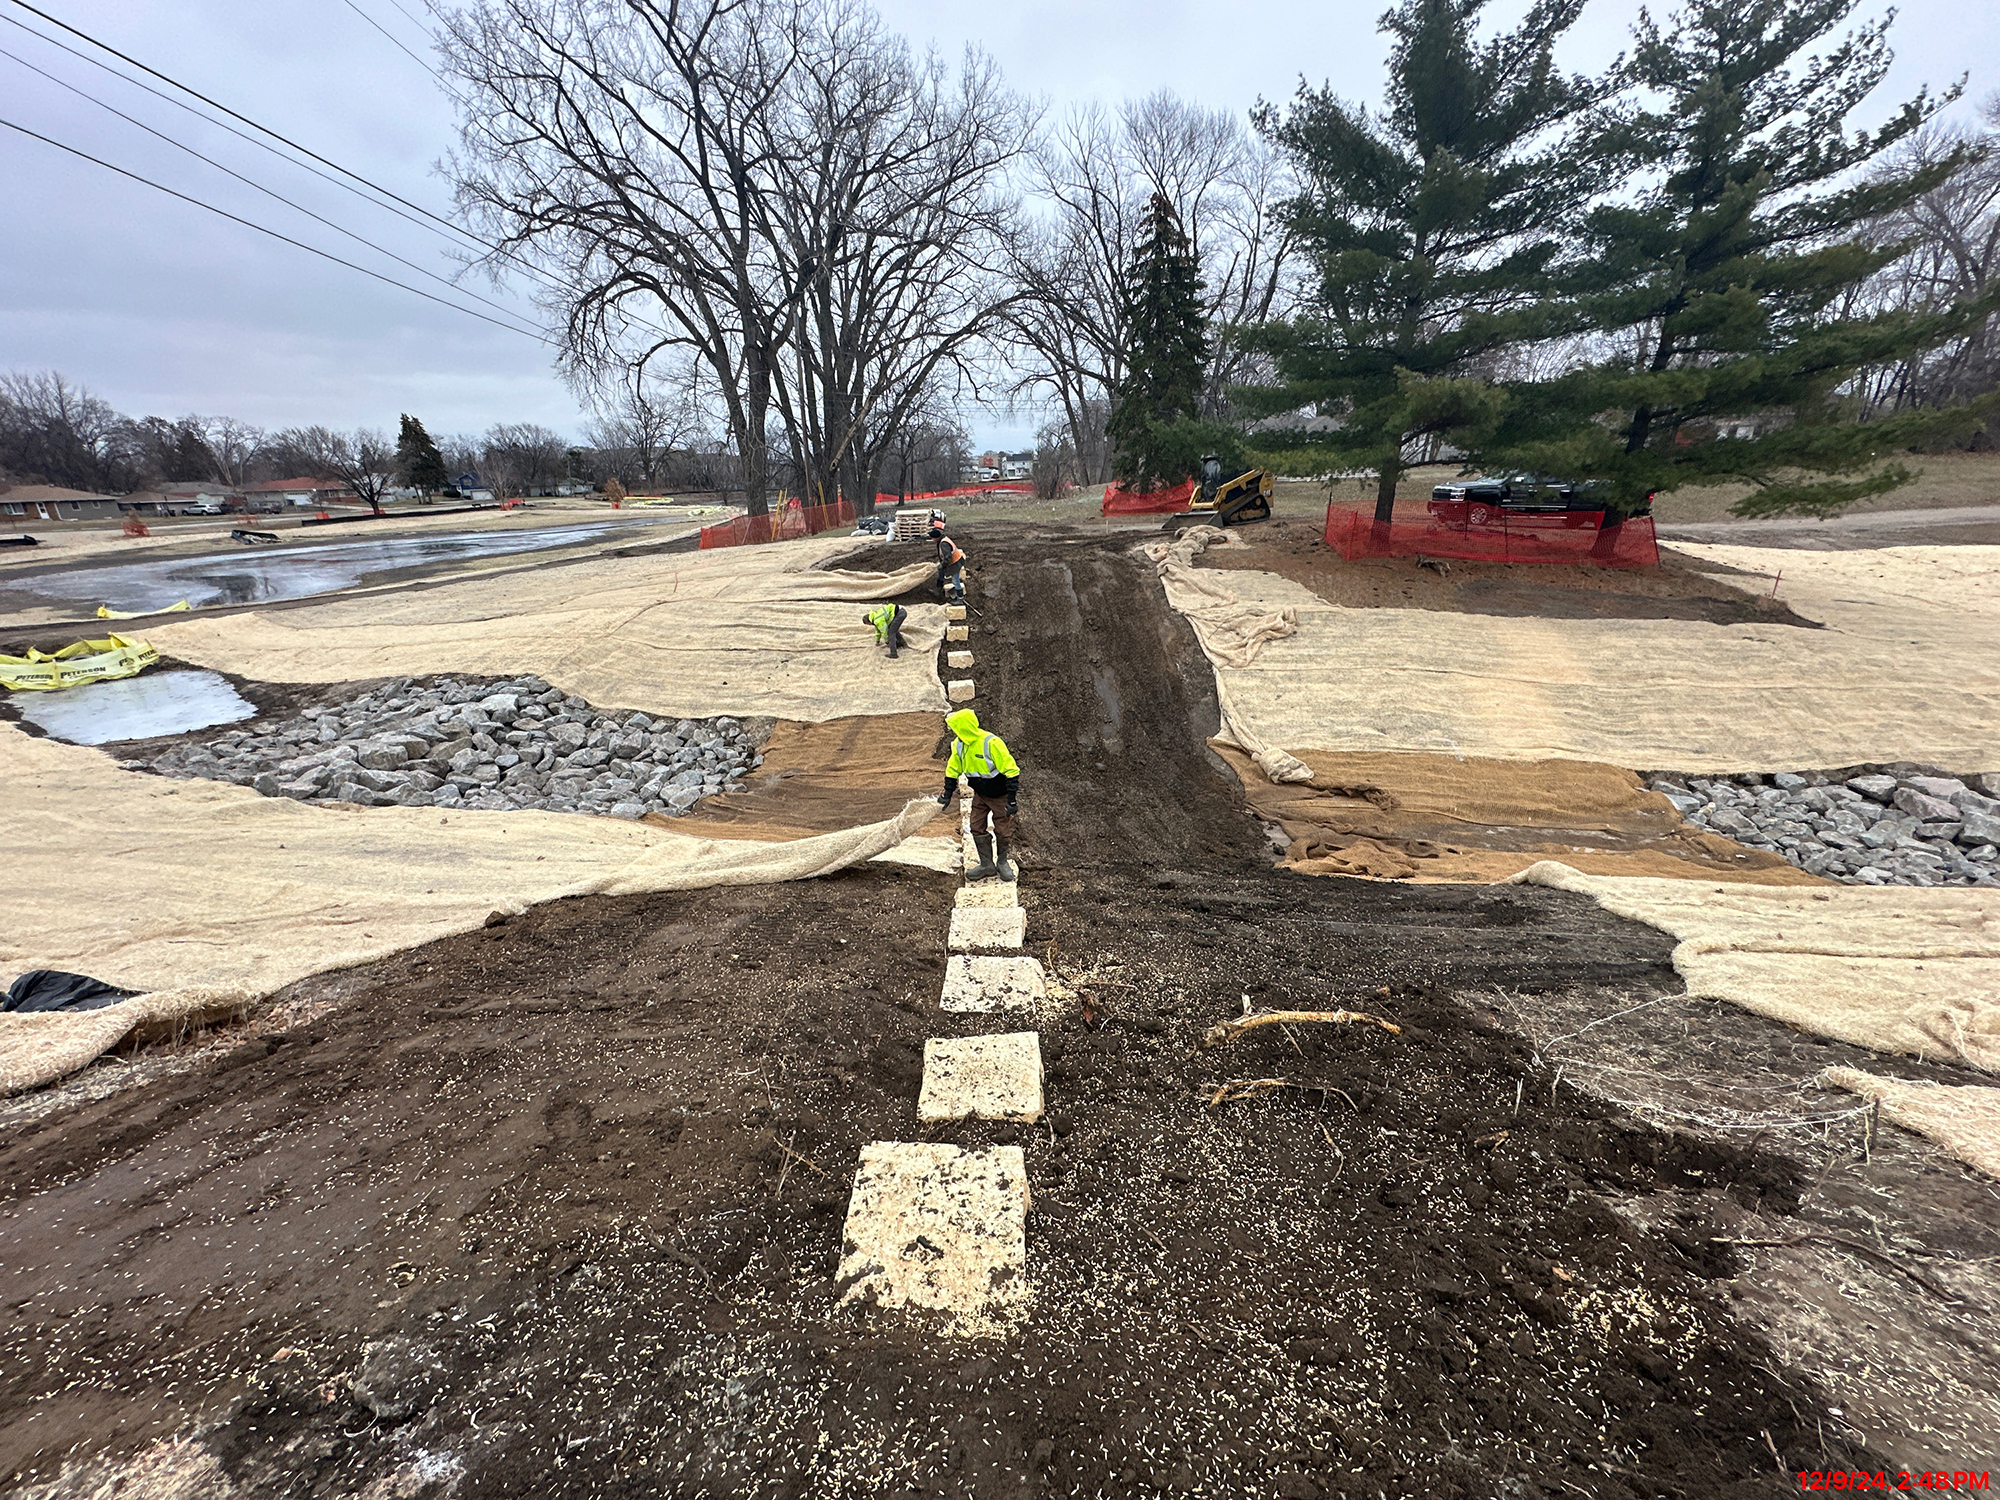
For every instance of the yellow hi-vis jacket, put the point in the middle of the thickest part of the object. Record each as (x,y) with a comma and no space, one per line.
(880,617)
(979,755)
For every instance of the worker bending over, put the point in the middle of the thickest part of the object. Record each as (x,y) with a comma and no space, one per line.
(888,622)
(951,568)
(985,759)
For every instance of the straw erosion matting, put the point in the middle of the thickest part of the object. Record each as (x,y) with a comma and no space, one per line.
(1907,668)
(743,631)
(555,1206)
(219,895)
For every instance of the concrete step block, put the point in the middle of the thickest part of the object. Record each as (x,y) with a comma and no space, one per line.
(959,690)
(982,1078)
(999,893)
(958,661)
(977,929)
(940,1229)
(980,985)
(957,633)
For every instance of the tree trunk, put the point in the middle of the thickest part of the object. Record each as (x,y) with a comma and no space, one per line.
(1385,491)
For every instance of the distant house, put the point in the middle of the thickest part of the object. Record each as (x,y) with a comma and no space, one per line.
(22,503)
(305,494)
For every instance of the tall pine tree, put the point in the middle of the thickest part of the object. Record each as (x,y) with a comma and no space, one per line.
(1719,285)
(1434,231)
(418,459)
(1157,433)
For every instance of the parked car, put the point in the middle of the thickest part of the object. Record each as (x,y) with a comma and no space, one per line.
(1485,502)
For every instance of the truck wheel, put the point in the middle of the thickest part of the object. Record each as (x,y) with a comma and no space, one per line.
(1478,515)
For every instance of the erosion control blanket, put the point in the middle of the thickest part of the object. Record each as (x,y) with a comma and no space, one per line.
(1906,668)
(1232,633)
(1898,969)
(203,896)
(1964,1119)
(746,631)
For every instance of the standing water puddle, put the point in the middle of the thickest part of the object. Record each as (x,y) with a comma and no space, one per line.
(256,577)
(135,708)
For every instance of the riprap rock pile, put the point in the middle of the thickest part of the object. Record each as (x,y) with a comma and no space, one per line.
(1874,829)
(497,746)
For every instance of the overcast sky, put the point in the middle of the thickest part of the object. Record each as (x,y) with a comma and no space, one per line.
(164,309)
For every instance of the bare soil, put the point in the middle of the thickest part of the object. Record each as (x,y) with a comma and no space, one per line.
(580,1177)
(1679,589)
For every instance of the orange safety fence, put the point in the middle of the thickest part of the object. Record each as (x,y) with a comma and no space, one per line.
(789,521)
(1119,501)
(1576,536)
(1005,487)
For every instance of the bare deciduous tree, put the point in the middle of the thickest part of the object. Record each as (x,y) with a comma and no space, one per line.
(521,458)
(1094,175)
(364,460)
(772,187)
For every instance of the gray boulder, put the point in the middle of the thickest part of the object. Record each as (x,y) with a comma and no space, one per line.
(1979,828)
(1875,788)
(1924,807)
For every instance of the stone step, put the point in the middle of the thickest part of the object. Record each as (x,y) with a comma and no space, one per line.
(954,611)
(979,929)
(958,661)
(940,1228)
(959,690)
(989,893)
(957,633)
(982,1078)
(980,985)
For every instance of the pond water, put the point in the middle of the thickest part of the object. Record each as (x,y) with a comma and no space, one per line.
(291,571)
(132,708)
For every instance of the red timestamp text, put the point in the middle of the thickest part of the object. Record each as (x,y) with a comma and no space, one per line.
(1857,1480)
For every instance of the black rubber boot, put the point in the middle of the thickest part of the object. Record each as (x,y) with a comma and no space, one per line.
(1005,866)
(985,869)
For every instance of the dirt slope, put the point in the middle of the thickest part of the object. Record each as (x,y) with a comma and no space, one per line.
(579,1178)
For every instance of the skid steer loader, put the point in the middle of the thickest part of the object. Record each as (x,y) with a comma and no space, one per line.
(1221,502)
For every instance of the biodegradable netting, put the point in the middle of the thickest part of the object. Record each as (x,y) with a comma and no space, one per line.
(1897,969)
(746,631)
(204,896)
(1962,1118)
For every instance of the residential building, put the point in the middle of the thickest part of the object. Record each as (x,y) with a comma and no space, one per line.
(22,503)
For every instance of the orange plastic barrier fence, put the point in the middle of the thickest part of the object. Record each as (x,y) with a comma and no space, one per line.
(789,521)
(1006,487)
(1119,501)
(1576,537)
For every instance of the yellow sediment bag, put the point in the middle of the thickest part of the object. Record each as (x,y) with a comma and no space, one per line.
(106,612)
(80,661)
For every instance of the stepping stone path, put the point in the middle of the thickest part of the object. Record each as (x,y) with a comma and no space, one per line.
(944,1228)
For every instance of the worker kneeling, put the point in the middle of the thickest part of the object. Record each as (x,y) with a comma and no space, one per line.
(986,760)
(888,622)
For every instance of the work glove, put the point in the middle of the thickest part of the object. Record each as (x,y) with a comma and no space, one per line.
(1011,808)
(944,799)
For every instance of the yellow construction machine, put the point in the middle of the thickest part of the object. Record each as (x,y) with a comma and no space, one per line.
(1226,502)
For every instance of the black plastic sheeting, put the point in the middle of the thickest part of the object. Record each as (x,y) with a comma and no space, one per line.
(52,989)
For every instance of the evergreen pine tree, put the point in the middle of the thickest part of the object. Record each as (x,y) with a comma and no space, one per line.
(418,460)
(1722,281)
(1434,228)
(1157,434)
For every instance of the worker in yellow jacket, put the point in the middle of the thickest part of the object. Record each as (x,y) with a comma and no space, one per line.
(888,622)
(985,760)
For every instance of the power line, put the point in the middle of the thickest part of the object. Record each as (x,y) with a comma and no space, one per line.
(181,104)
(268,192)
(435,219)
(245,119)
(396,42)
(274,234)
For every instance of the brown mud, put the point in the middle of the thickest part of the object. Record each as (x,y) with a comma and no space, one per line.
(579,1179)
